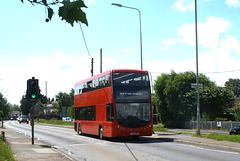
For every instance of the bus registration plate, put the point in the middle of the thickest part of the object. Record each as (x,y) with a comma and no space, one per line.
(134,133)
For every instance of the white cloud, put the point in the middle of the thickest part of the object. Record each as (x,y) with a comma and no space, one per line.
(208,33)
(228,45)
(184,5)
(90,2)
(234,3)
(169,42)
(223,52)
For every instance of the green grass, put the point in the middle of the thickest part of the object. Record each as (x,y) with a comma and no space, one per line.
(6,153)
(218,137)
(55,122)
(214,136)
(159,128)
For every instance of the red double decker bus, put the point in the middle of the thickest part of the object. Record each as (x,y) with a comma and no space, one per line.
(113,104)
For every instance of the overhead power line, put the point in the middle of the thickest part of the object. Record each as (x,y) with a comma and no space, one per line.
(230,71)
(84,39)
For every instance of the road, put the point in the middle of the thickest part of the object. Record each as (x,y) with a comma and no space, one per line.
(89,148)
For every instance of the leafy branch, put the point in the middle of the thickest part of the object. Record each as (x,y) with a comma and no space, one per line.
(70,11)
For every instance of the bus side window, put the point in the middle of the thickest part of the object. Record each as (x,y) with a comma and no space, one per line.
(107,80)
(110,113)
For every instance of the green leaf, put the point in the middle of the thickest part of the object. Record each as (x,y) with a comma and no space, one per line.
(44,2)
(50,13)
(71,11)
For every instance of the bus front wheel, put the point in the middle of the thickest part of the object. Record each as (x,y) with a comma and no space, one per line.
(79,129)
(101,133)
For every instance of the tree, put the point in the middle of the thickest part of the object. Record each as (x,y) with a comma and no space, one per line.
(176,100)
(233,84)
(214,102)
(5,106)
(70,111)
(1,115)
(160,97)
(25,105)
(236,111)
(65,100)
(14,108)
(69,11)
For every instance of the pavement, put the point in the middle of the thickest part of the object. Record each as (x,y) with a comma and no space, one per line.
(25,151)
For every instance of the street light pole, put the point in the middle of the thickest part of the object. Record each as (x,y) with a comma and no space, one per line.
(197,78)
(119,5)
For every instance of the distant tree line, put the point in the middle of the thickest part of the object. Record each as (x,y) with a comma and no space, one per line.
(6,108)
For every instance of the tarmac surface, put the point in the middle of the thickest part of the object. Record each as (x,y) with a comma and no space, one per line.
(25,151)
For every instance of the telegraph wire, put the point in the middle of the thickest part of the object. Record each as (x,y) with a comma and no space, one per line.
(84,39)
(230,71)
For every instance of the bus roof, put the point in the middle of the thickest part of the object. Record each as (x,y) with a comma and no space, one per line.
(109,71)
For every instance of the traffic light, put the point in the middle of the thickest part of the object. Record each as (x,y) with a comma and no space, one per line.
(33,90)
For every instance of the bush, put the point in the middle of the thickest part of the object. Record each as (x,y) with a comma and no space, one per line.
(197,133)
(160,128)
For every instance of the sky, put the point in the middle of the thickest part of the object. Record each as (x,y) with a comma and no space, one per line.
(55,52)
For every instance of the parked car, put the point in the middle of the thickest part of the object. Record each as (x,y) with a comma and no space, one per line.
(235,130)
(23,118)
(66,119)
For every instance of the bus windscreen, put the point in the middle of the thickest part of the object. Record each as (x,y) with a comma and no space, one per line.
(131,87)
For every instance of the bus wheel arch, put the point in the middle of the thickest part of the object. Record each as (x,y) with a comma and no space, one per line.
(100,132)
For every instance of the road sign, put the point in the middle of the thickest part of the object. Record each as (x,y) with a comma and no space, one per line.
(194,85)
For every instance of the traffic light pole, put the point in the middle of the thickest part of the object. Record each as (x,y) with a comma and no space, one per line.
(32,121)
(33,93)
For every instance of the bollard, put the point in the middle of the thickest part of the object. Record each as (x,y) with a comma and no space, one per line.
(3,135)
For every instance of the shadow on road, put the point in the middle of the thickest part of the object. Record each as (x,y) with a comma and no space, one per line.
(138,140)
(141,140)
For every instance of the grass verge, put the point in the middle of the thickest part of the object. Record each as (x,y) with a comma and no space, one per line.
(213,136)
(218,137)
(6,152)
(55,122)
(159,128)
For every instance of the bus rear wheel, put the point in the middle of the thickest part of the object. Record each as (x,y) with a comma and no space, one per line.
(101,133)
(79,129)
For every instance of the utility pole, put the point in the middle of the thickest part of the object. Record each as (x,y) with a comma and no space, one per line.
(46,88)
(47,99)
(2,111)
(101,60)
(92,66)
